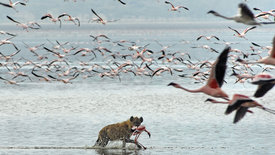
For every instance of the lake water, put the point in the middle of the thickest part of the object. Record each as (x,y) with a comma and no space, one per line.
(53,114)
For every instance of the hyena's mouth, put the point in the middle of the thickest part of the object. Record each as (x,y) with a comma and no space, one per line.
(134,128)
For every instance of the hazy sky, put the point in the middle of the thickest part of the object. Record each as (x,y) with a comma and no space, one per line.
(136,10)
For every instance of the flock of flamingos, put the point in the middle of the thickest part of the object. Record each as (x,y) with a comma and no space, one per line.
(51,61)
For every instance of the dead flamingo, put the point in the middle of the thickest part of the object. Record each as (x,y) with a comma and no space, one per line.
(137,131)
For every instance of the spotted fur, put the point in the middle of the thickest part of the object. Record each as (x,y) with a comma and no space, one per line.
(119,131)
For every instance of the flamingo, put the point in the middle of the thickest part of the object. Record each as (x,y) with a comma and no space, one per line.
(241,103)
(269,60)
(216,78)
(4,32)
(52,19)
(70,18)
(175,8)
(25,26)
(245,16)
(99,18)
(12,4)
(265,14)
(265,83)
(207,37)
(242,34)
(137,131)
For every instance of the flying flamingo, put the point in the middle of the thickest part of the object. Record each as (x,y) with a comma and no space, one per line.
(241,103)
(265,83)
(52,19)
(70,18)
(99,18)
(175,8)
(242,34)
(269,60)
(25,26)
(245,16)
(207,37)
(12,5)
(215,81)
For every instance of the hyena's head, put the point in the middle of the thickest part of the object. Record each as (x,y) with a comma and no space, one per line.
(136,121)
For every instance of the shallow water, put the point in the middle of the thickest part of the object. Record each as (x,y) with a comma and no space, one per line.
(54,114)
(71,116)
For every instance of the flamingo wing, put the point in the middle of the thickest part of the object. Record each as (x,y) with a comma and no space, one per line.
(234,30)
(199,37)
(96,14)
(183,7)
(240,114)
(216,77)
(263,89)
(167,2)
(122,2)
(13,20)
(248,29)
(236,105)
(245,12)
(6,5)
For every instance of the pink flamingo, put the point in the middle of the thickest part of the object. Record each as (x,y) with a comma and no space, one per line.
(137,131)
(241,103)
(215,81)
(269,60)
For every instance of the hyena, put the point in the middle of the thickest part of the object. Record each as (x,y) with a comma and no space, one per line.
(119,131)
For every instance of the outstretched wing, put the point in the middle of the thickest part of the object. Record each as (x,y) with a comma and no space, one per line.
(6,5)
(96,14)
(218,69)
(167,2)
(13,20)
(245,12)
(234,30)
(263,89)
(122,2)
(236,105)
(240,114)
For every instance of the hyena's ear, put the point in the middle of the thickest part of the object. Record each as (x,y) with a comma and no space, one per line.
(132,118)
(141,119)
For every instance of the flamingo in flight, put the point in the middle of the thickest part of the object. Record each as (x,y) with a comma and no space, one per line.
(265,83)
(52,19)
(175,8)
(25,26)
(245,16)
(241,104)
(269,60)
(99,18)
(207,37)
(70,18)
(242,34)
(12,4)
(216,78)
